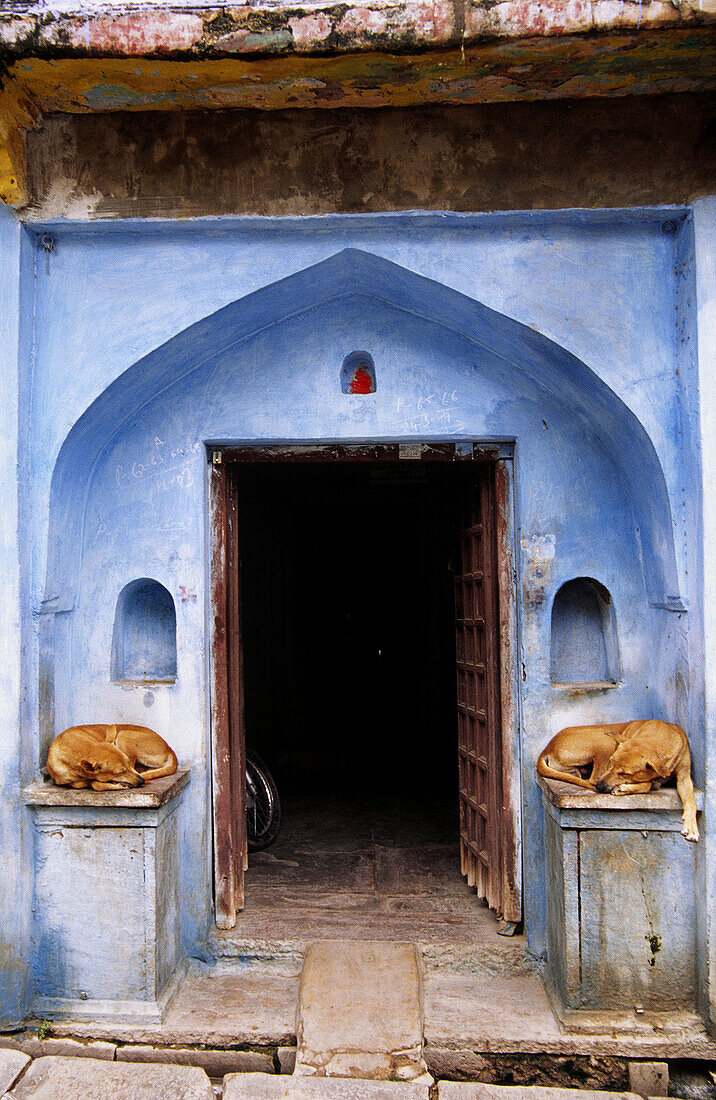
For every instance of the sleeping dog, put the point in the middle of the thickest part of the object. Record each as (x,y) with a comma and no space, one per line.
(106,757)
(624,758)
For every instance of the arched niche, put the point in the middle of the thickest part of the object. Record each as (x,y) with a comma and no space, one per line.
(144,639)
(358,373)
(584,647)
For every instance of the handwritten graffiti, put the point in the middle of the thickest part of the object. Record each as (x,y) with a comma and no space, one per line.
(172,526)
(166,466)
(430,412)
(187,595)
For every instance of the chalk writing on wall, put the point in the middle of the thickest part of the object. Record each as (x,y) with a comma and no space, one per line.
(431,411)
(172,525)
(168,467)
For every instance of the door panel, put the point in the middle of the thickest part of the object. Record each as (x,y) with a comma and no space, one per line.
(227,717)
(225,881)
(478,694)
(236,693)
(511,830)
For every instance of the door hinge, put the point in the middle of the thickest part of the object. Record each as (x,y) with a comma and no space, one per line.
(217,458)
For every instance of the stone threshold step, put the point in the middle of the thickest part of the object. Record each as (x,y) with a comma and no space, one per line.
(360,1011)
(497,959)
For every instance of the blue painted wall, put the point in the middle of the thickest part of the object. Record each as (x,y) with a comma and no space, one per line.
(151,340)
(699,295)
(16,864)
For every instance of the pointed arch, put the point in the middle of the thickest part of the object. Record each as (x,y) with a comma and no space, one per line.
(348,273)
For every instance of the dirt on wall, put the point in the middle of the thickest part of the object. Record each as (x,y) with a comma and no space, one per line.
(631,151)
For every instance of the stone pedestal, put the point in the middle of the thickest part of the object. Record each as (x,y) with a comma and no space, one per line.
(106,920)
(621,906)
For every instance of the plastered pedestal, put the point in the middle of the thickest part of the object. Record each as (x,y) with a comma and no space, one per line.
(106,919)
(621,905)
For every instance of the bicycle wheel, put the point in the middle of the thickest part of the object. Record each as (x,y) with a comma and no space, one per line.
(263,806)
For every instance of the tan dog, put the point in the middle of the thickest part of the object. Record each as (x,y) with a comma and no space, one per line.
(106,757)
(624,758)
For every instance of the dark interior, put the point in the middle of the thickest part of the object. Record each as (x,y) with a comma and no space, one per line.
(347,623)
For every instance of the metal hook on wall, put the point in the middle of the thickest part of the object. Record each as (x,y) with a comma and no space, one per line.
(48,243)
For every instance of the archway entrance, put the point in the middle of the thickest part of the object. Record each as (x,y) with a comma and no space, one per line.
(361,585)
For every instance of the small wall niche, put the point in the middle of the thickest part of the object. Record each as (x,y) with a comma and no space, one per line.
(584,642)
(144,641)
(358,373)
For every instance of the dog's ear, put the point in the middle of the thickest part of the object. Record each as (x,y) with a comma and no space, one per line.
(88,766)
(661,768)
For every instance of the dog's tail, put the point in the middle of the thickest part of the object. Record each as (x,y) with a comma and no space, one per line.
(549,773)
(168,769)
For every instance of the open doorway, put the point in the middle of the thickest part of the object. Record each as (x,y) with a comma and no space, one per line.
(359,592)
(348,636)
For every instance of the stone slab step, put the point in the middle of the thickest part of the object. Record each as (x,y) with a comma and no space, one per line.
(460,1090)
(54,1078)
(261,1086)
(474,1011)
(360,1011)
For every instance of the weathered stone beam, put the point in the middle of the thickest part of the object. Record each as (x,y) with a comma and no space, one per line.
(388,54)
(526,69)
(76,29)
(17,114)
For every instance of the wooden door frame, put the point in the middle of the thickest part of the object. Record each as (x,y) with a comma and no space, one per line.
(505,508)
(228,849)
(225,863)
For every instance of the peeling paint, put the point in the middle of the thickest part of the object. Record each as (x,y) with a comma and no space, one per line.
(530,69)
(168,31)
(17,115)
(339,27)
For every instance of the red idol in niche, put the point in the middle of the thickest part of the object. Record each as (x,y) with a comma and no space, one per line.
(358,373)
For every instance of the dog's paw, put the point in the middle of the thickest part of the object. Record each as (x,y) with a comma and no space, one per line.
(690,831)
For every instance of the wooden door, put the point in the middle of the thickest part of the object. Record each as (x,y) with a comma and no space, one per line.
(488,750)
(478,691)
(227,703)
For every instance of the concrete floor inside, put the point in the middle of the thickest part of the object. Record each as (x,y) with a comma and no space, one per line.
(373,866)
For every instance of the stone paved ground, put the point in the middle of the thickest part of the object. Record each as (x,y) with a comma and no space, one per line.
(71,1078)
(60,1077)
(68,1078)
(12,1064)
(460,1090)
(256,1086)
